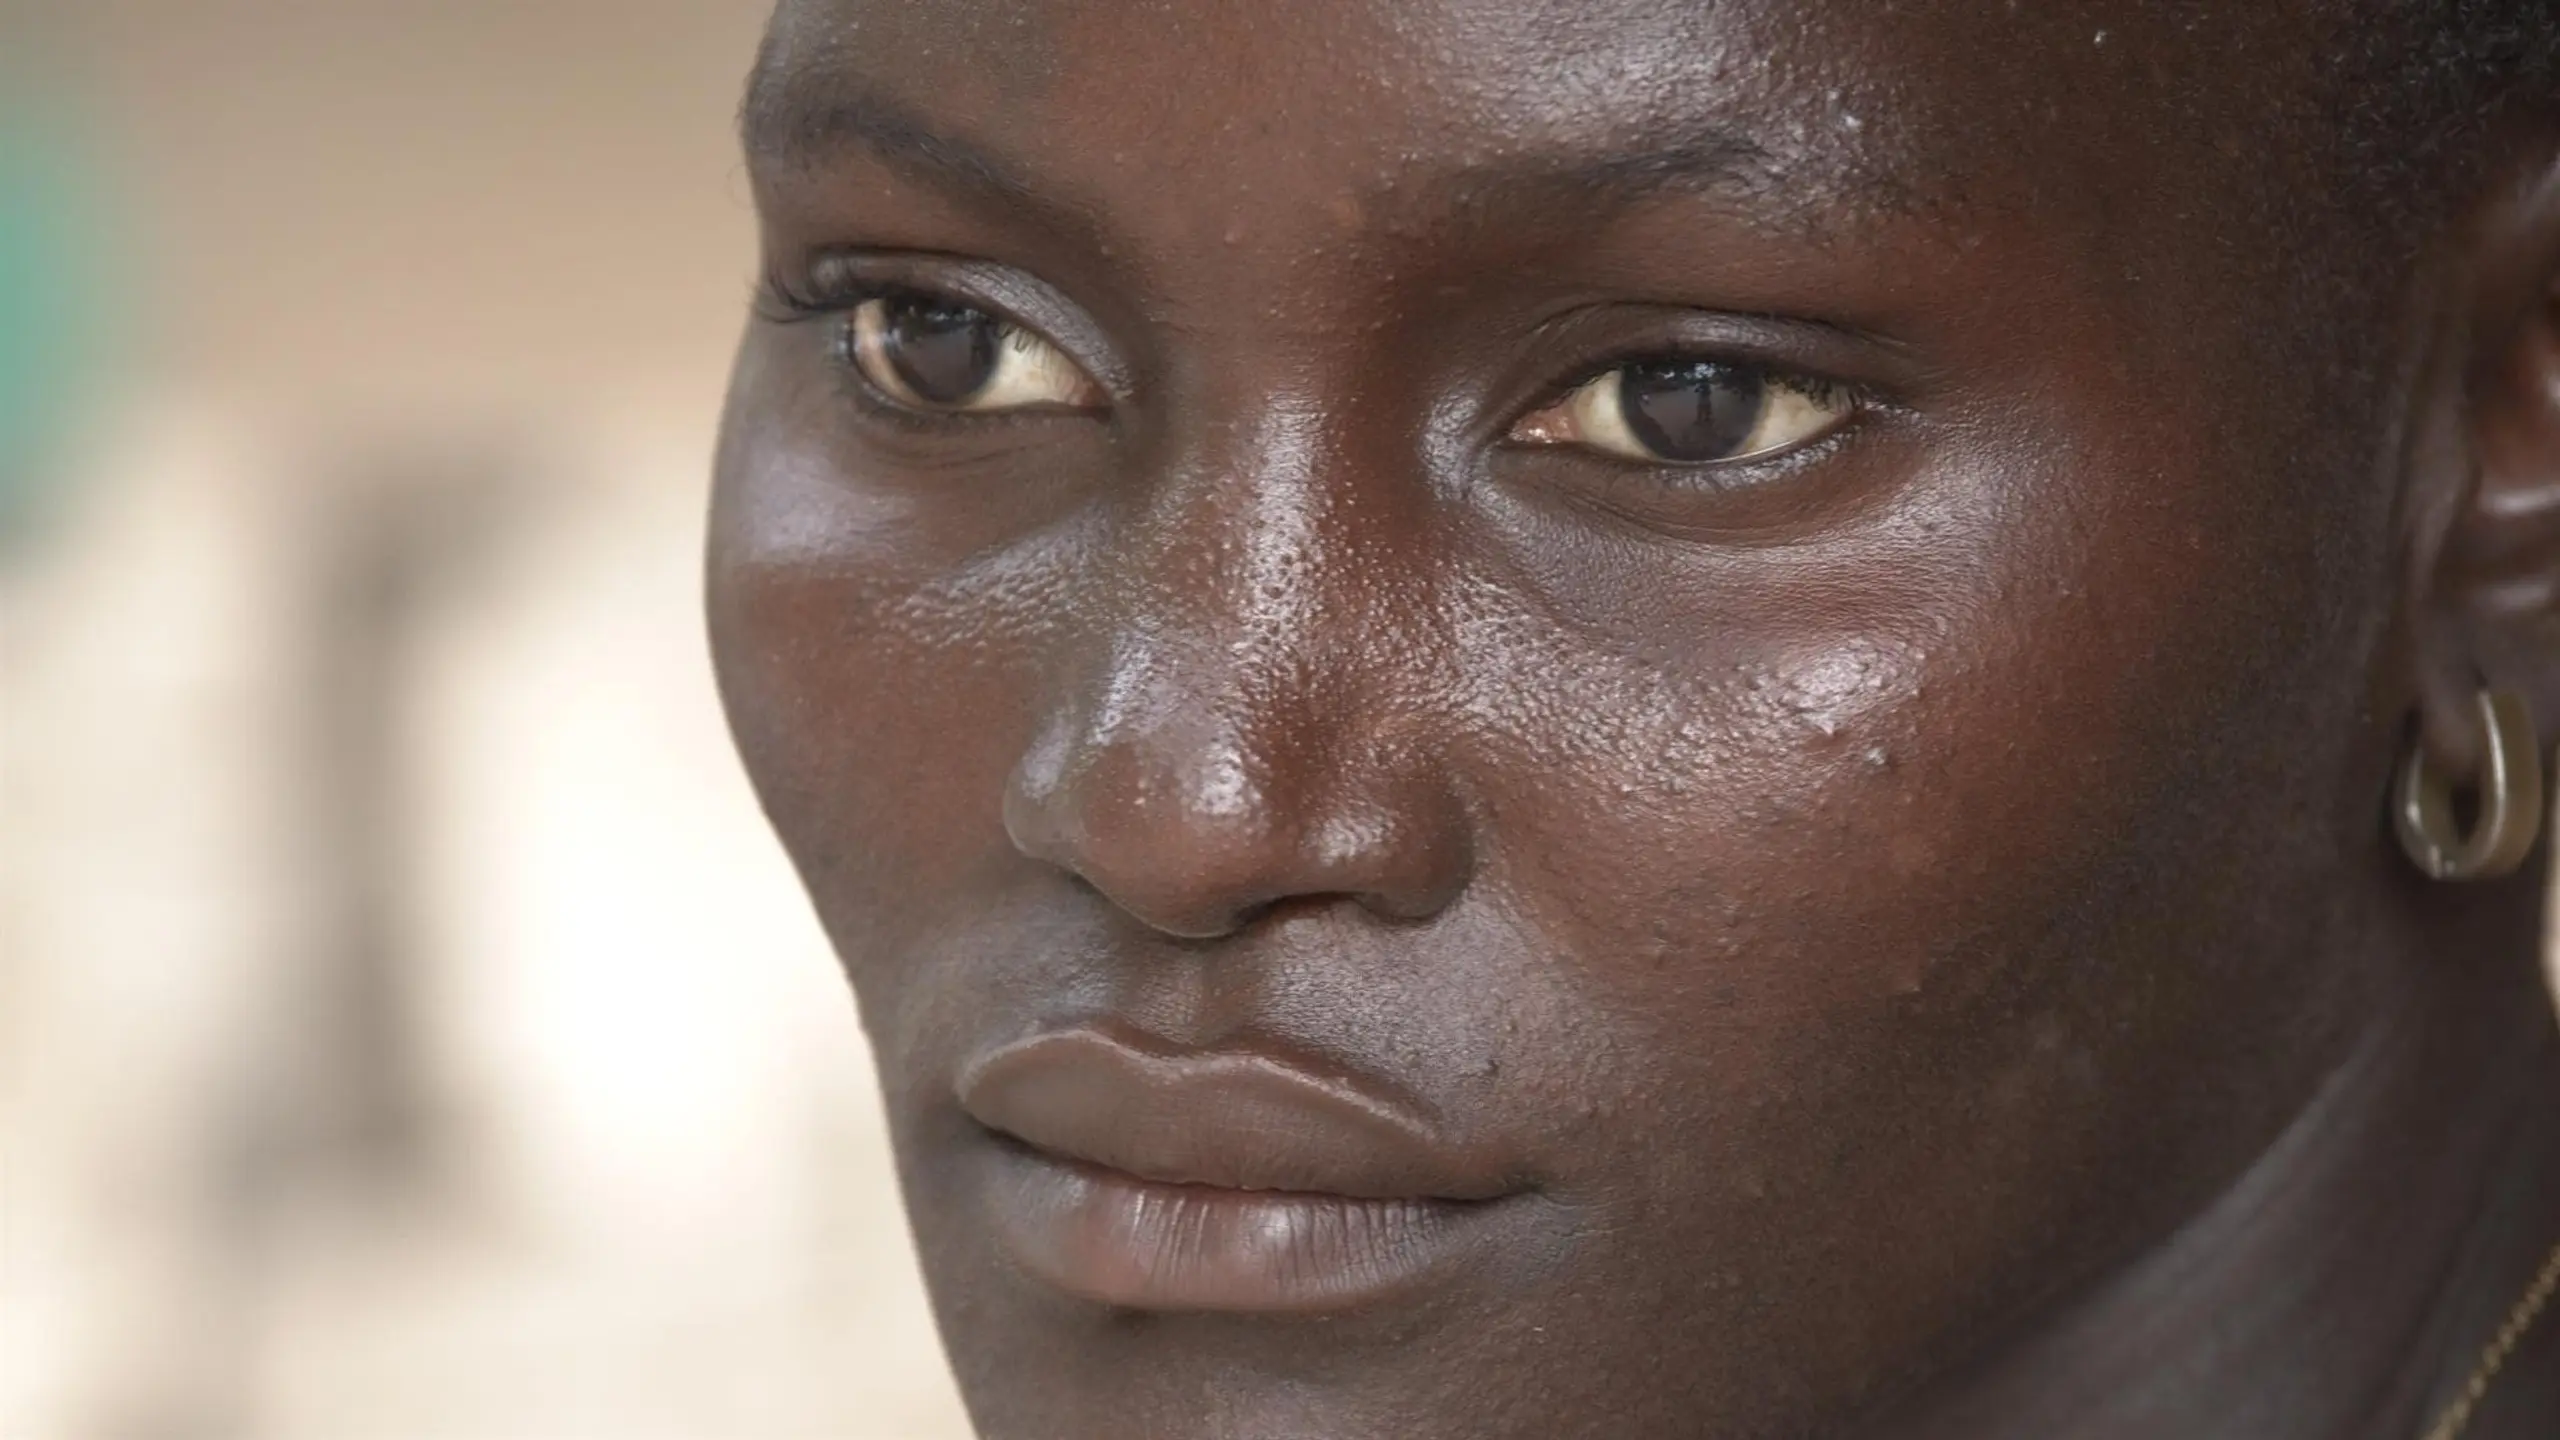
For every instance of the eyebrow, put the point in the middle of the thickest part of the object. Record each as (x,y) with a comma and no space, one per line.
(783,124)
(1706,157)
(799,117)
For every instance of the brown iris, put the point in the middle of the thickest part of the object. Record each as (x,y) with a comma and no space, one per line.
(1690,410)
(941,353)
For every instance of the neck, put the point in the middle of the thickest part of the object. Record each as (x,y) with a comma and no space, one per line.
(2344,1286)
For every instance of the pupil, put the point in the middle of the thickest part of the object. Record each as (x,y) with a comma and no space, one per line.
(945,353)
(1690,409)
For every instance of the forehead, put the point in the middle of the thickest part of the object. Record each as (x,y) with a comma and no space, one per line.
(1824,106)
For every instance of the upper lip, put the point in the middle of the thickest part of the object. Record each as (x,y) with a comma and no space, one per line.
(1238,1119)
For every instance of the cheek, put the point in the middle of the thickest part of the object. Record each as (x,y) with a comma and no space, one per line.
(875,693)
(1823,835)
(1841,892)
(1711,841)
(1771,793)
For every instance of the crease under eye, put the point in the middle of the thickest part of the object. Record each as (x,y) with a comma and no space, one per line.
(1689,411)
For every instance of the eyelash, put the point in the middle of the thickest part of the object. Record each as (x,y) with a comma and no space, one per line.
(787,300)
(784,300)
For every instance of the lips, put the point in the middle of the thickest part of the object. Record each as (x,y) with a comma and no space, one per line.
(1233,1180)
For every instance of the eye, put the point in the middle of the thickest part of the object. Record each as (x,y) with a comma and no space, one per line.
(1689,412)
(934,354)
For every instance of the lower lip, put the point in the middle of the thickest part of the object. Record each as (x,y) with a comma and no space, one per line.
(1141,1245)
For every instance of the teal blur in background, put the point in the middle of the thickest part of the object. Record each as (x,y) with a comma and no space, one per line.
(48,335)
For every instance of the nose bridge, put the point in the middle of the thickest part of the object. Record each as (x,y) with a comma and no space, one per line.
(1223,749)
(1251,544)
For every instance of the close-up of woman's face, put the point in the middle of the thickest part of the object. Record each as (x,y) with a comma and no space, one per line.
(1626,710)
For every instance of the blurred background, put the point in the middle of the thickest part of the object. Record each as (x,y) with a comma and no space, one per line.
(407,1027)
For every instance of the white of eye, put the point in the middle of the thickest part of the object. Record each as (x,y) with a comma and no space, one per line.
(1782,414)
(979,366)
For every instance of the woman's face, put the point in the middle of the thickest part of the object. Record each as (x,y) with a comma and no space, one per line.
(1524,714)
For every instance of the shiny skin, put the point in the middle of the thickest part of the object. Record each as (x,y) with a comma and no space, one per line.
(1877,897)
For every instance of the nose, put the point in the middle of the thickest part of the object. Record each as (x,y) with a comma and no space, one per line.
(1250,726)
(1196,823)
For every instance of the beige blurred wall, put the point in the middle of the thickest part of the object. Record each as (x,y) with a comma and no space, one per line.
(382,201)
(409,1028)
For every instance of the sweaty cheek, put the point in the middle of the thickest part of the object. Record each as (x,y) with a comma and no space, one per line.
(1842,865)
(1704,831)
(874,684)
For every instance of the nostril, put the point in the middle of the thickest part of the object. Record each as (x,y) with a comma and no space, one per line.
(1193,881)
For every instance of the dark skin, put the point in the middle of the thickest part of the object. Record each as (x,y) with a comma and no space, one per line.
(1904,915)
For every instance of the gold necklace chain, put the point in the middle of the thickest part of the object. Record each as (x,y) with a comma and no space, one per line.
(2493,1358)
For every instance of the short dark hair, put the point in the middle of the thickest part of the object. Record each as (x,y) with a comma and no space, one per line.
(2431,82)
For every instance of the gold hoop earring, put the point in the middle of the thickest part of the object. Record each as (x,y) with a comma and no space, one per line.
(2510,792)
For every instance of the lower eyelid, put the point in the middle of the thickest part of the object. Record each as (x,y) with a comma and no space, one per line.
(1743,474)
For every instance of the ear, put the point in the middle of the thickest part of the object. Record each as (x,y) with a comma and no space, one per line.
(2486,514)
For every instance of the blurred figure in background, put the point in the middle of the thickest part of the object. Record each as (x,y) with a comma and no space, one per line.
(406,1028)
